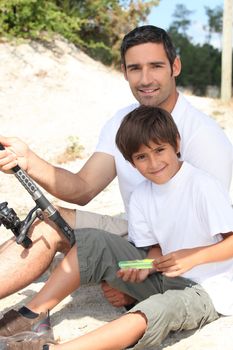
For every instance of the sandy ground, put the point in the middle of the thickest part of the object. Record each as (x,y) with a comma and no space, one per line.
(46,96)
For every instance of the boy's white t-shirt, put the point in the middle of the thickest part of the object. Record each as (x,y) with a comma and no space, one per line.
(190,210)
(203,144)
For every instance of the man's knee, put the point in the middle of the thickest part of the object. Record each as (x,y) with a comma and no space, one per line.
(116,225)
(48,232)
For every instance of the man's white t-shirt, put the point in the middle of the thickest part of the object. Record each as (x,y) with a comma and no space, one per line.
(203,144)
(191,210)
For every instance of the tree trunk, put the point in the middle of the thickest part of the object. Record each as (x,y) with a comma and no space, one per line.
(226,81)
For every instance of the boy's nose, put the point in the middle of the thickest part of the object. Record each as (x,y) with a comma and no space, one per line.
(153,162)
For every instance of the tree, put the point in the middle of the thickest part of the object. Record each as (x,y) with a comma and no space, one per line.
(214,21)
(200,63)
(181,21)
(104,23)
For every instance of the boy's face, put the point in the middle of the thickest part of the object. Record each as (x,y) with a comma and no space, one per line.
(158,163)
(148,72)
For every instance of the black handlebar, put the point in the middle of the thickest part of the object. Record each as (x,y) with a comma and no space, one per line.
(42,203)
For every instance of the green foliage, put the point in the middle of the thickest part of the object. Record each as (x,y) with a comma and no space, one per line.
(33,19)
(105,22)
(181,19)
(201,64)
(96,26)
(215,19)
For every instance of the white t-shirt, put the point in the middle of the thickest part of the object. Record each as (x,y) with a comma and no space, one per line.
(191,210)
(203,144)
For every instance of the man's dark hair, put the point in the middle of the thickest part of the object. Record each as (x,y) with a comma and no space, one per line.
(148,34)
(143,125)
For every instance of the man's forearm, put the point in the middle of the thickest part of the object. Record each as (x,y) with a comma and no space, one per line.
(59,182)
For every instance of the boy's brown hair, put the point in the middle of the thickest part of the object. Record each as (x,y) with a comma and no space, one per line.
(143,125)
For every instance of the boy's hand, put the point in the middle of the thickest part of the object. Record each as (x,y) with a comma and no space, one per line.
(133,275)
(176,263)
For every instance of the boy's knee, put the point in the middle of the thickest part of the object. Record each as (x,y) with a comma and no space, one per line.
(95,259)
(161,317)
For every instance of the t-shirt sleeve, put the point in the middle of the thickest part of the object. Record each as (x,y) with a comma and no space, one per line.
(140,232)
(106,142)
(211,151)
(215,208)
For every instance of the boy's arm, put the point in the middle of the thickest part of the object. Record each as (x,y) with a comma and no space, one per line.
(178,262)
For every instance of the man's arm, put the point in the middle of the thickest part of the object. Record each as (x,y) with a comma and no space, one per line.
(77,188)
(178,262)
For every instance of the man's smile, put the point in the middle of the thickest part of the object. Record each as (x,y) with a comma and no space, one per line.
(148,91)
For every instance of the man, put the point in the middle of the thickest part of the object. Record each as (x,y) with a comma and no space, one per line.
(150,65)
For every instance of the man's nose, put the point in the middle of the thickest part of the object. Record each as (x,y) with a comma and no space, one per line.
(146,77)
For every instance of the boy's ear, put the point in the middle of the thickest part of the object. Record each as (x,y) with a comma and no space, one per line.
(124,71)
(177,145)
(176,67)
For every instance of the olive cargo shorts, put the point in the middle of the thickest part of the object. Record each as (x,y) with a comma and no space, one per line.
(169,304)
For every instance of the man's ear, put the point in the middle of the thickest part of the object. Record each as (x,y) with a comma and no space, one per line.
(176,67)
(124,71)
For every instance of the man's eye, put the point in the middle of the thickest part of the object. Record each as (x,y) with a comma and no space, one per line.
(133,68)
(158,65)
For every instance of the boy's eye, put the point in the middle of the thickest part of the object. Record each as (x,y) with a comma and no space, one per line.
(140,157)
(159,150)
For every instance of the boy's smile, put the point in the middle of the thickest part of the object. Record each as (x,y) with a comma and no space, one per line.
(158,163)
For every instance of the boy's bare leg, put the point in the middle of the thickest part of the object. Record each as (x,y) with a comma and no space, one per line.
(62,282)
(116,335)
(19,266)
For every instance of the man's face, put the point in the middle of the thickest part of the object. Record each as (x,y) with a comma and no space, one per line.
(150,76)
(157,163)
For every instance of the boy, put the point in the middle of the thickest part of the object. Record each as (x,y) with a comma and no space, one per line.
(181,218)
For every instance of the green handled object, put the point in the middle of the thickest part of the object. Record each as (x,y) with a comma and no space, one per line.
(136,264)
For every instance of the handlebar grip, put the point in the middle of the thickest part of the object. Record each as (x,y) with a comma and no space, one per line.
(64,227)
(15,168)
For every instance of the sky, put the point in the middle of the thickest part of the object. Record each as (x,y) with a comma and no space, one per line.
(161,16)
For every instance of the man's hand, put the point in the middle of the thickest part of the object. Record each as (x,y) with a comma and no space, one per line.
(176,263)
(116,297)
(15,153)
